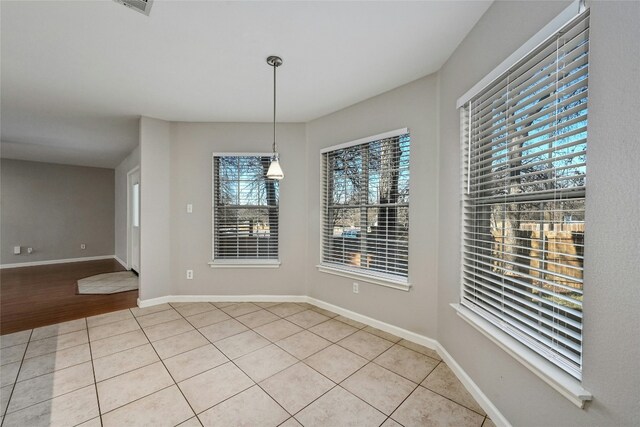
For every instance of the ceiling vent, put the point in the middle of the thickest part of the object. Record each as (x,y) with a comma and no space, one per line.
(142,6)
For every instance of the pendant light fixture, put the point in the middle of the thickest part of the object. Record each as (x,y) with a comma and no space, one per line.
(275,171)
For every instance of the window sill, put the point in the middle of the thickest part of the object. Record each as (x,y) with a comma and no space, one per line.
(245,263)
(364,277)
(562,382)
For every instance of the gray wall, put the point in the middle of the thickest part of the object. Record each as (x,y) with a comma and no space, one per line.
(191,182)
(155,207)
(612,275)
(414,106)
(130,162)
(612,299)
(176,170)
(53,209)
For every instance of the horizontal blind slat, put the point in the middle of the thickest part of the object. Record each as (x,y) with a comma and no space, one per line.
(515,310)
(474,279)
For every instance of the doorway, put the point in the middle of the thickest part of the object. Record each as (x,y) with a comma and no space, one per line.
(133,220)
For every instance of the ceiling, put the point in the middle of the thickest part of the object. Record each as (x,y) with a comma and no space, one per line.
(77,75)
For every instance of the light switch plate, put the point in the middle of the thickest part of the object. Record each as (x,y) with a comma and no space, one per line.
(189,208)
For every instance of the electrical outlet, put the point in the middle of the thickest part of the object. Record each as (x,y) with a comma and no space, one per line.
(29,250)
(83,246)
(189,208)
(189,274)
(355,287)
(16,250)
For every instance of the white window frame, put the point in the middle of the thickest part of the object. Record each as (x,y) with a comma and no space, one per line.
(237,263)
(568,386)
(377,278)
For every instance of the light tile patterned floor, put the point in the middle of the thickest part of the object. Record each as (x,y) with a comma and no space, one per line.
(108,283)
(205,364)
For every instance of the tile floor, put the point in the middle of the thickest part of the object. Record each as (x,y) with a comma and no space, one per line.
(108,283)
(224,364)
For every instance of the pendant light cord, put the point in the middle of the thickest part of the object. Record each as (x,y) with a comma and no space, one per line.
(274,108)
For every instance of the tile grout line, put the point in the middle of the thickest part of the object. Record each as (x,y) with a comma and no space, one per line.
(312,368)
(131,370)
(299,361)
(451,400)
(204,326)
(55,336)
(404,400)
(231,361)
(93,370)
(433,391)
(345,389)
(61,369)
(400,375)
(257,385)
(37,376)
(345,348)
(110,322)
(126,372)
(168,372)
(337,384)
(138,399)
(41,327)
(95,383)
(182,352)
(238,333)
(120,351)
(6,410)
(440,394)
(303,329)
(357,370)
(54,397)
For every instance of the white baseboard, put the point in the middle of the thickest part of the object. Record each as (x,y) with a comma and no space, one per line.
(221,298)
(464,378)
(399,332)
(482,399)
(155,301)
(122,263)
(56,261)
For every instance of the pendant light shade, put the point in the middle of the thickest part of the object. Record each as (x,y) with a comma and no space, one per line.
(275,171)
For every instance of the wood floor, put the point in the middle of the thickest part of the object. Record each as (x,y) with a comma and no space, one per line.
(37,296)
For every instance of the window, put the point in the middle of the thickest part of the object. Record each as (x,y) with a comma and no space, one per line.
(525,150)
(365,202)
(245,210)
(136,205)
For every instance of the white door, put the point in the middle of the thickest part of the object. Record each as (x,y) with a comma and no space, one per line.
(134,220)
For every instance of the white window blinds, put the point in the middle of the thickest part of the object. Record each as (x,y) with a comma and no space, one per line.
(245,208)
(525,147)
(365,200)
